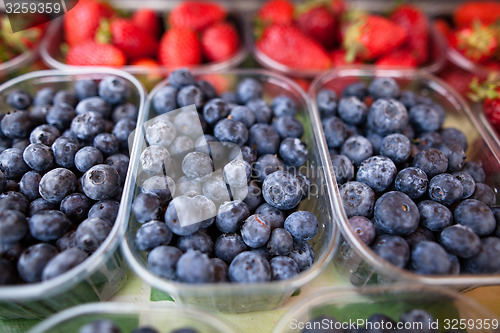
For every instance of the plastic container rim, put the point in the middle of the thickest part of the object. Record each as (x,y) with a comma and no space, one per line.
(303,277)
(82,271)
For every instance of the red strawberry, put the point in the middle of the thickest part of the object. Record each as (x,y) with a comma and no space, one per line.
(486,12)
(179,47)
(488,92)
(128,37)
(148,21)
(319,24)
(414,21)
(477,42)
(153,72)
(457,78)
(220,41)
(289,46)
(196,15)
(442,26)
(276,11)
(372,36)
(338,7)
(339,58)
(400,58)
(91,53)
(81,23)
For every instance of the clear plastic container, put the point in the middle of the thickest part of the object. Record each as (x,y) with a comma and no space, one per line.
(164,317)
(234,297)
(104,272)
(19,62)
(437,61)
(50,49)
(346,305)
(357,261)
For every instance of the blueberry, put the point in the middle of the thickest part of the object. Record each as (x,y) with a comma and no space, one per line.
(85,88)
(475,215)
(280,243)
(248,89)
(76,207)
(255,231)
(393,249)
(455,265)
(376,141)
(378,172)
(357,148)
(94,104)
(397,147)
(189,95)
(293,151)
(188,187)
(262,112)
(44,96)
(56,184)
(195,267)
(302,225)
(237,173)
(229,130)
(207,88)
(20,143)
(7,273)
(231,216)
(283,106)
(28,185)
(16,124)
(456,157)
(105,209)
(162,186)
(254,197)
(426,118)
(264,139)
(228,246)
(12,163)
(13,201)
(44,134)
(127,110)
(64,150)
(288,127)
(475,170)
(181,78)
(3,182)
(162,261)
(100,326)
(165,99)
(387,116)
(384,87)
(460,241)
(107,143)
(342,169)
(468,183)
(215,188)
(197,165)
(33,260)
(114,90)
(63,262)
(485,194)
(453,136)
(101,182)
(431,161)
(358,89)
(418,316)
(199,241)
(215,110)
(430,140)
(243,115)
(87,157)
(303,255)
(327,103)
(430,258)
(173,221)
(41,204)
(65,97)
(60,116)
(249,267)
(181,146)
(283,268)
(487,261)
(409,98)
(87,125)
(434,216)
(282,190)
(266,165)
(363,228)
(19,99)
(352,110)
(230,97)
(39,157)
(412,181)
(67,241)
(152,234)
(335,131)
(13,226)
(48,225)
(146,207)
(358,199)
(445,189)
(91,233)
(274,217)
(220,270)
(396,214)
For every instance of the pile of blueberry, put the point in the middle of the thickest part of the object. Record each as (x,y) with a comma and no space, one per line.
(235,164)
(63,163)
(108,326)
(405,185)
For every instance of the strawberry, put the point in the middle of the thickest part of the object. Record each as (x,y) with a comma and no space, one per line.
(128,37)
(81,23)
(276,11)
(372,36)
(400,58)
(488,92)
(196,15)
(339,58)
(414,21)
(179,47)
(457,78)
(153,73)
(147,20)
(91,53)
(477,42)
(487,12)
(220,41)
(289,46)
(338,7)
(319,24)
(442,26)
